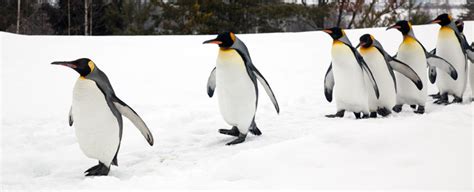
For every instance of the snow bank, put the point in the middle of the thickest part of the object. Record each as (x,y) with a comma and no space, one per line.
(164,77)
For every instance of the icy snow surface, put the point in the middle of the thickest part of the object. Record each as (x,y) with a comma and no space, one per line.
(164,79)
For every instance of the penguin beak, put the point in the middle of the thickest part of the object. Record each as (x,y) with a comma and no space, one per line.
(65,63)
(212,41)
(435,21)
(393,27)
(327,31)
(360,44)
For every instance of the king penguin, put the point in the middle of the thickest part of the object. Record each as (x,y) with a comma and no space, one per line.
(96,113)
(382,65)
(470,55)
(236,78)
(349,76)
(451,45)
(413,53)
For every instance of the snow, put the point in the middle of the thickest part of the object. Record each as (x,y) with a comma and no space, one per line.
(164,79)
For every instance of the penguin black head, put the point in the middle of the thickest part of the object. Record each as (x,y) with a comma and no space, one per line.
(366,41)
(224,40)
(402,26)
(460,25)
(443,19)
(83,66)
(335,32)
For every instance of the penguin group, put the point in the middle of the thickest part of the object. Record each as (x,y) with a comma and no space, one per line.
(365,80)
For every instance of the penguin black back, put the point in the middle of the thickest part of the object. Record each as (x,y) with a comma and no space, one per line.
(460,25)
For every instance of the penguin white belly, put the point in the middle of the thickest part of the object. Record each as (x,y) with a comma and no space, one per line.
(471,79)
(411,53)
(448,47)
(350,91)
(382,76)
(97,129)
(235,90)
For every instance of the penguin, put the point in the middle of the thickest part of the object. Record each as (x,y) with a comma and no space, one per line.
(413,53)
(382,65)
(452,46)
(236,76)
(349,76)
(469,53)
(96,114)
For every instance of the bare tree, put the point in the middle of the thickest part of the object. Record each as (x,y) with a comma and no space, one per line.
(341,11)
(355,8)
(86,18)
(90,21)
(18,17)
(68,17)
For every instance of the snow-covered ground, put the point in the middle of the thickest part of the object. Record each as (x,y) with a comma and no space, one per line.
(164,79)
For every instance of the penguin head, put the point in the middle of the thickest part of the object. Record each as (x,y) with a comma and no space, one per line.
(366,41)
(335,32)
(402,26)
(443,19)
(83,66)
(460,25)
(224,40)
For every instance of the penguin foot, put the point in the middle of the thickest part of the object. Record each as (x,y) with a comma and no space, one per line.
(435,96)
(443,99)
(365,115)
(98,170)
(420,110)
(397,108)
(373,114)
(232,132)
(457,100)
(383,111)
(338,114)
(441,102)
(239,139)
(413,106)
(357,115)
(255,131)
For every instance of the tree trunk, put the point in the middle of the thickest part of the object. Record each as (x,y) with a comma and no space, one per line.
(86,18)
(68,17)
(18,18)
(339,18)
(91,13)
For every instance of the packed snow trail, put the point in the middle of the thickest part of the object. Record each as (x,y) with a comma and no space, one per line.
(164,79)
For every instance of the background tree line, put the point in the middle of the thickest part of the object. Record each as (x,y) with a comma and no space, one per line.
(147,17)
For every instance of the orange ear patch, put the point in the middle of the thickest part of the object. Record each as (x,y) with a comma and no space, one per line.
(232,36)
(91,65)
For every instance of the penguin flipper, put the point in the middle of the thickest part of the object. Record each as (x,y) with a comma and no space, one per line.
(211,83)
(371,78)
(470,55)
(438,62)
(128,112)
(329,83)
(407,71)
(267,88)
(432,70)
(365,68)
(71,120)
